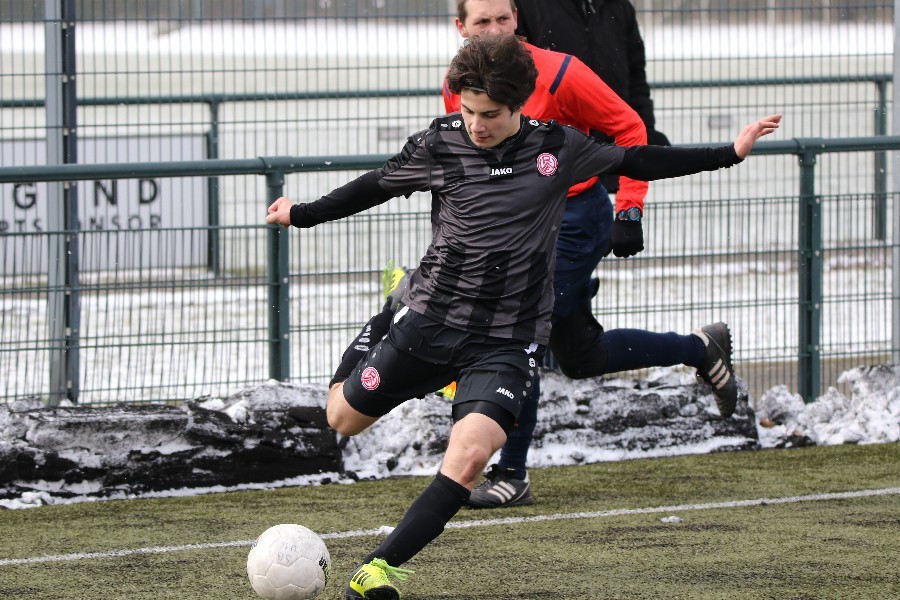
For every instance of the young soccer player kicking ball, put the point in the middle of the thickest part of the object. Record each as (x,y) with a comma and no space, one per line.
(477,309)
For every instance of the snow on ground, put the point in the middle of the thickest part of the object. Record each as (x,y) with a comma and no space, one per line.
(871,414)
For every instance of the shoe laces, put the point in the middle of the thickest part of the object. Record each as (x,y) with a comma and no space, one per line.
(497,473)
(397,572)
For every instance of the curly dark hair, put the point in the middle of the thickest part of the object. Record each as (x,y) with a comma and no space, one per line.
(498,65)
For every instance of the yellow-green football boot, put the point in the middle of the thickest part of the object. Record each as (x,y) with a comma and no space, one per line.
(394,281)
(373,581)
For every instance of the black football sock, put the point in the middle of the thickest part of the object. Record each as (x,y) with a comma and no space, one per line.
(636,349)
(423,522)
(371,334)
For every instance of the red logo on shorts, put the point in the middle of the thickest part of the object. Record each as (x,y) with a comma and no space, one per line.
(546,164)
(370,378)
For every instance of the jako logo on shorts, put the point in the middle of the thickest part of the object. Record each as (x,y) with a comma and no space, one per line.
(370,378)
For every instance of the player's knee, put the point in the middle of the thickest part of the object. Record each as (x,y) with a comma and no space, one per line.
(580,361)
(338,421)
(339,415)
(572,371)
(474,464)
(582,368)
(577,344)
(464,463)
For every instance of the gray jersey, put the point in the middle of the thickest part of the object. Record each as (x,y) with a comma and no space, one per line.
(489,267)
(496,214)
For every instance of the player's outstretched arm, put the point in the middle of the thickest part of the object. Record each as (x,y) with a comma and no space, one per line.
(351,198)
(749,134)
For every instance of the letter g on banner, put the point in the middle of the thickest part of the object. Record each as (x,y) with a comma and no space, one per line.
(24,199)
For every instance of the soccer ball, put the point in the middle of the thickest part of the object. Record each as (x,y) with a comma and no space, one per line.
(288,562)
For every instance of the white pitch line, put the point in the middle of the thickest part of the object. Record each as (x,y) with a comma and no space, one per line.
(467,524)
(674,508)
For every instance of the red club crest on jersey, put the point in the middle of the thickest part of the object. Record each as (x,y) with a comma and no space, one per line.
(546,164)
(370,378)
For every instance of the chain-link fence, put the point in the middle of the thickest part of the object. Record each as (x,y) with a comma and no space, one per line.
(158,284)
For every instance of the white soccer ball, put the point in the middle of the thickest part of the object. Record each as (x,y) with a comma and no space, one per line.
(288,562)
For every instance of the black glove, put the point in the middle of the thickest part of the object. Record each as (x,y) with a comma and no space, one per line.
(657,138)
(627,238)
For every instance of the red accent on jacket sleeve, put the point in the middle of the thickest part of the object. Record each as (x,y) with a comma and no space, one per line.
(451,100)
(588,103)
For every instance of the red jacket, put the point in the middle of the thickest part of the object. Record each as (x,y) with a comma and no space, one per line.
(570,93)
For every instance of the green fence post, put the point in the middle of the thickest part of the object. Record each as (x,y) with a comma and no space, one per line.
(880,217)
(63,291)
(279,296)
(809,273)
(213,261)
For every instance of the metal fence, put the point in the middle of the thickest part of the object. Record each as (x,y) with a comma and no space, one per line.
(164,283)
(804,281)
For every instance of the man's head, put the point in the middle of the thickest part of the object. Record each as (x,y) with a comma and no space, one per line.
(476,17)
(494,75)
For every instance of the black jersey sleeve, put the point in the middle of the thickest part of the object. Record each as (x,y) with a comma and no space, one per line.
(406,172)
(360,194)
(660,162)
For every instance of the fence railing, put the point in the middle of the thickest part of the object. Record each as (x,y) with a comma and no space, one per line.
(214,103)
(64,345)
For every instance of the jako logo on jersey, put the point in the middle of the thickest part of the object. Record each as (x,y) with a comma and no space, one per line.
(506,392)
(370,378)
(546,164)
(456,123)
(501,172)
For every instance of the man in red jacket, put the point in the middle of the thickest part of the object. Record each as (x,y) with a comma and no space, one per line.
(572,93)
(606,36)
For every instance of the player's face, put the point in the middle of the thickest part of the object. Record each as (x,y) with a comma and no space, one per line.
(487,16)
(487,122)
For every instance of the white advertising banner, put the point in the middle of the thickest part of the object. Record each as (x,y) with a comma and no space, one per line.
(145,222)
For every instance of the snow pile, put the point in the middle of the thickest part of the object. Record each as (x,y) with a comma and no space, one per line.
(411,440)
(870,415)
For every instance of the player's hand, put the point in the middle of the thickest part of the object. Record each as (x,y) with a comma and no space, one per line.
(749,134)
(627,238)
(280,212)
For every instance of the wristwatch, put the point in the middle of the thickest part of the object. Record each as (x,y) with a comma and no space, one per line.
(631,214)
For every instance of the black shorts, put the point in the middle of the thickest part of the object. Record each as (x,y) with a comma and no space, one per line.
(420,356)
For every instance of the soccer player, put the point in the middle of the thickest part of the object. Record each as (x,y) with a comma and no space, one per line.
(477,309)
(570,93)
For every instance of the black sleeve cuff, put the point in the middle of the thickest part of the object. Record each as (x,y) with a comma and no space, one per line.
(354,197)
(301,218)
